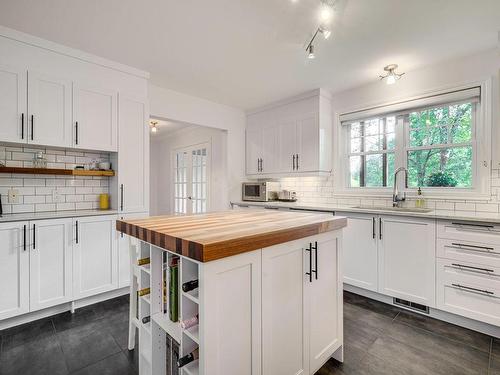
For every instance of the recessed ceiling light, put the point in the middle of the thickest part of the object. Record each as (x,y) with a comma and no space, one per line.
(391,77)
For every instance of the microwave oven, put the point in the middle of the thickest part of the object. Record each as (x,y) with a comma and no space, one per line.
(260,191)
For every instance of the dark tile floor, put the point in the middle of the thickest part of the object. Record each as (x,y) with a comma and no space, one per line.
(379,339)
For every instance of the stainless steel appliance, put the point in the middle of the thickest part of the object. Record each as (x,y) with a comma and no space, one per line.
(260,191)
(287,196)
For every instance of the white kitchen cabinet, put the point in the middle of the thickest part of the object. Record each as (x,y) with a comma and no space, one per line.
(360,250)
(407,258)
(301,305)
(133,146)
(95,118)
(262,150)
(14,269)
(95,267)
(13,112)
(49,110)
(51,263)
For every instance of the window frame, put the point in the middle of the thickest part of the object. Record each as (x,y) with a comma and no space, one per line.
(481,150)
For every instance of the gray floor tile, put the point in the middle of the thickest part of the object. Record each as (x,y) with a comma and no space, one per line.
(372,365)
(495,347)
(495,366)
(116,364)
(370,304)
(80,317)
(27,333)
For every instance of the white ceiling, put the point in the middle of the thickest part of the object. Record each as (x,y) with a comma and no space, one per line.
(246,53)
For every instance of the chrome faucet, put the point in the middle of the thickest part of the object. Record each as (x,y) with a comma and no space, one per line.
(396,196)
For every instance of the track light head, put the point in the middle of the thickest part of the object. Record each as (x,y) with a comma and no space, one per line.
(310,52)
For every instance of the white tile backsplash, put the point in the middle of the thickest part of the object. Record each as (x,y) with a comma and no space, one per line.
(36,191)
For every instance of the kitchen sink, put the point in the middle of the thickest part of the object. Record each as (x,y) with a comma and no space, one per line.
(396,209)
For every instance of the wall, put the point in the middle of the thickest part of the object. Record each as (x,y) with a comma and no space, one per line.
(446,75)
(36,191)
(174,106)
(161,153)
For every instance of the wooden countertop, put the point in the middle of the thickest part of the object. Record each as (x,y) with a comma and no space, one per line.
(207,237)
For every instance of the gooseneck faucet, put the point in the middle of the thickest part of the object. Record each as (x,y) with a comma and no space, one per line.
(396,196)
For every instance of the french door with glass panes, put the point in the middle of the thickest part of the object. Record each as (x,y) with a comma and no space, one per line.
(191,167)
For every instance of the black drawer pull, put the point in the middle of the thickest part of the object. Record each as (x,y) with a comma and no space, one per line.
(22,125)
(373,227)
(315,248)
(472,268)
(310,273)
(473,289)
(473,246)
(474,225)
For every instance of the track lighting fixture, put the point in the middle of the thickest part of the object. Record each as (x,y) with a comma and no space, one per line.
(310,47)
(310,52)
(391,77)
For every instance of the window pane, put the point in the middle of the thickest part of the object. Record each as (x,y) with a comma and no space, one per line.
(390,169)
(355,145)
(355,170)
(445,167)
(373,143)
(373,170)
(355,130)
(372,127)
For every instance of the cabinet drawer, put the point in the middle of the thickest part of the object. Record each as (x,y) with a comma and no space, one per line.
(466,231)
(469,289)
(467,251)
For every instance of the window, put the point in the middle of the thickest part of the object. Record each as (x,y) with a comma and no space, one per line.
(434,138)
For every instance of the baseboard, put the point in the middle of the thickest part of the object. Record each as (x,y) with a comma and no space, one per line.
(54,310)
(458,320)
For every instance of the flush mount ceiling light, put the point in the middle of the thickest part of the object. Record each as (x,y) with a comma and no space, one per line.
(391,77)
(153,124)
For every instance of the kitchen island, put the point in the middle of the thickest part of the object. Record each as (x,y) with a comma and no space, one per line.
(268,298)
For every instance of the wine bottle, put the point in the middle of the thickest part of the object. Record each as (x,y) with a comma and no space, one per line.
(195,354)
(144,292)
(174,289)
(188,323)
(146,319)
(190,285)
(143,261)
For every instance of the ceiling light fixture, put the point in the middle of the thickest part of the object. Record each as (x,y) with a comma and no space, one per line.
(310,52)
(326,10)
(391,76)
(310,47)
(154,129)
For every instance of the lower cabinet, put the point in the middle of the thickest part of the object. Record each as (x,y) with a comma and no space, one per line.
(94,255)
(51,263)
(301,305)
(14,269)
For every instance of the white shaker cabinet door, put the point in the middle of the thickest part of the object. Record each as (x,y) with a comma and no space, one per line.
(270,152)
(133,154)
(253,150)
(287,145)
(308,148)
(95,267)
(95,118)
(325,300)
(360,250)
(14,269)
(51,267)
(49,110)
(407,258)
(13,115)
(284,328)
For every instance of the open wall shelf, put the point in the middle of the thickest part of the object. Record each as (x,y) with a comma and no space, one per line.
(52,171)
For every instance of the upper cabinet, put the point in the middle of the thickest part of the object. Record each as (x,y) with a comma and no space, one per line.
(12,104)
(95,118)
(293,137)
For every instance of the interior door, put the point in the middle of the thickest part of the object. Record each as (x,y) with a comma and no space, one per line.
(284,336)
(51,263)
(94,255)
(360,250)
(133,145)
(307,143)
(253,150)
(287,145)
(191,168)
(13,94)
(325,303)
(49,110)
(95,118)
(14,269)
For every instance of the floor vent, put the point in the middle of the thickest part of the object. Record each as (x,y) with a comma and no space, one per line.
(411,305)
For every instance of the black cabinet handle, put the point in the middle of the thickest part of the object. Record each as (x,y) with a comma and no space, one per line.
(472,268)
(473,247)
(34,237)
(474,225)
(472,289)
(380,227)
(261,165)
(310,273)
(32,122)
(76,132)
(297,161)
(373,227)
(22,125)
(121,197)
(24,238)
(76,232)
(315,248)
(293,163)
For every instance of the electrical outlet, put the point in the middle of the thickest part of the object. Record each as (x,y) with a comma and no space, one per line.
(13,196)
(56,197)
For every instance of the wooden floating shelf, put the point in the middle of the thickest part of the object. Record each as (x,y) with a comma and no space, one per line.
(52,171)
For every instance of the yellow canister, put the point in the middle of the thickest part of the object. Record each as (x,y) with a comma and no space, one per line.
(104,201)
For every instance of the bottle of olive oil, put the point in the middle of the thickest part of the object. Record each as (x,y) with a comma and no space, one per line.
(420,202)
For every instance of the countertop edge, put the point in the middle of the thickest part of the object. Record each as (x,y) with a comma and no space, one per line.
(47,215)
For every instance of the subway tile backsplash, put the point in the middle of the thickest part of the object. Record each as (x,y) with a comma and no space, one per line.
(320,190)
(36,192)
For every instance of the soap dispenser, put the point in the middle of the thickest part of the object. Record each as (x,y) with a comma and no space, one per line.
(420,202)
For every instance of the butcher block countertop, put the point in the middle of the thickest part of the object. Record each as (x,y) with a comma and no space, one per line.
(207,237)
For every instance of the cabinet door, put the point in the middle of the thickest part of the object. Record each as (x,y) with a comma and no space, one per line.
(360,250)
(95,118)
(95,264)
(307,143)
(231,343)
(284,336)
(49,110)
(253,150)
(270,150)
(50,263)
(287,145)
(14,269)
(133,154)
(325,302)
(407,259)
(13,114)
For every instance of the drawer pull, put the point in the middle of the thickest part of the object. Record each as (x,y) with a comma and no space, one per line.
(472,268)
(473,289)
(473,247)
(485,226)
